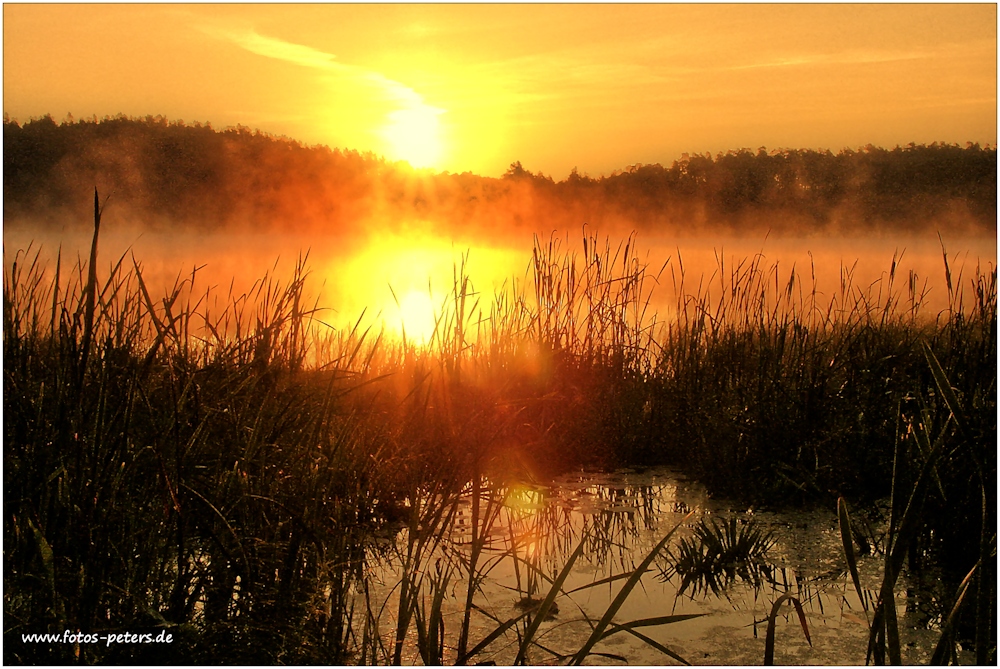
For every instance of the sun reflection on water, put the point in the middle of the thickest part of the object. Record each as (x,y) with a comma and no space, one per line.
(405,281)
(524,504)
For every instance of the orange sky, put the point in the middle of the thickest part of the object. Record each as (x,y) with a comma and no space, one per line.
(476,87)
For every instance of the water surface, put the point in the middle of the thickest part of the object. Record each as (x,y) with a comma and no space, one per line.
(621,516)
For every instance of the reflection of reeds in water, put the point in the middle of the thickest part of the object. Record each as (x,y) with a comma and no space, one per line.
(625,514)
(611,518)
(536,540)
(718,553)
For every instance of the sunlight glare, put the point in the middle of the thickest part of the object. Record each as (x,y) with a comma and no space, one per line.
(417,316)
(414,135)
(394,265)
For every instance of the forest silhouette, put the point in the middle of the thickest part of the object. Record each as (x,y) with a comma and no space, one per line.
(169,173)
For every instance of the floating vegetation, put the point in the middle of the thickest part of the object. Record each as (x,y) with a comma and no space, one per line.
(718,553)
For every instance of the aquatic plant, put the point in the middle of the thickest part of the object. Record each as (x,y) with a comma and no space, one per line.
(221,465)
(719,552)
(772,618)
(923,472)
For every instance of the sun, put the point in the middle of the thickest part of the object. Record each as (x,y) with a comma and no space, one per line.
(413,134)
(417,316)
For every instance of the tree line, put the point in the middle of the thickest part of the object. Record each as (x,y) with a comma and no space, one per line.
(171,173)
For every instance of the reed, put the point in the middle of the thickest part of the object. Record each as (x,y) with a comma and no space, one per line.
(934,462)
(219,464)
(161,475)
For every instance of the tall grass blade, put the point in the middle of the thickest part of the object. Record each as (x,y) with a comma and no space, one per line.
(892,642)
(650,622)
(546,605)
(91,290)
(430,626)
(609,579)
(647,640)
(495,634)
(772,621)
(909,525)
(944,387)
(629,627)
(623,594)
(944,651)
(47,556)
(848,540)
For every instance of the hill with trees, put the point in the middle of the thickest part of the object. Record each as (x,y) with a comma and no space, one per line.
(167,173)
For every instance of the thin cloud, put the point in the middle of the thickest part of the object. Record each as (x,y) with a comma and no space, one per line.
(845,58)
(306,56)
(568,77)
(287,51)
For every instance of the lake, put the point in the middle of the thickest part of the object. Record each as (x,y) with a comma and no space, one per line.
(623,514)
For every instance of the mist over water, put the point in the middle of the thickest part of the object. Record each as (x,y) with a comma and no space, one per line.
(828,259)
(368,275)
